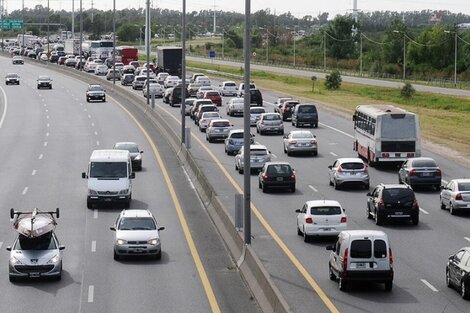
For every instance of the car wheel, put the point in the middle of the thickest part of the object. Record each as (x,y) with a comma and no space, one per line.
(12,278)
(281,132)
(415,219)
(448,283)
(378,218)
(292,189)
(299,232)
(443,206)
(399,180)
(259,185)
(306,237)
(342,284)
(369,216)
(257,130)
(335,184)
(388,285)
(116,256)
(240,170)
(330,183)
(451,209)
(366,186)
(265,189)
(104,99)
(331,274)
(464,292)
(158,256)
(127,204)
(289,153)
(315,153)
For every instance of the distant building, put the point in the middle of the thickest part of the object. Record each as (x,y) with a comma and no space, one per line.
(435,18)
(463,25)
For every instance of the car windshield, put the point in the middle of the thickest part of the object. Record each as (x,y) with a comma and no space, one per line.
(12,75)
(257,111)
(108,169)
(272,117)
(464,186)
(230,85)
(279,169)
(325,210)
(137,223)
(307,109)
(237,135)
(95,88)
(302,135)
(128,147)
(352,166)
(44,242)
(398,194)
(424,163)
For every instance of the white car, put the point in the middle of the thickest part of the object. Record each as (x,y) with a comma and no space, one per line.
(101,69)
(143,72)
(203,80)
(235,106)
(90,66)
(241,88)
(161,77)
(255,113)
(259,155)
(154,89)
(118,66)
(228,88)
(171,81)
(206,118)
(43,56)
(321,218)
(455,196)
(137,233)
(218,130)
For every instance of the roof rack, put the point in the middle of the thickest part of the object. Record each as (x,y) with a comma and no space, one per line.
(34,223)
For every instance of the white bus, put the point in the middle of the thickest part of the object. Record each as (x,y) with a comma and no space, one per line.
(384,133)
(100,49)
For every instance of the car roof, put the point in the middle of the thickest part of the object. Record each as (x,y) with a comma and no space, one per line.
(277,163)
(94,85)
(364,233)
(350,160)
(320,203)
(461,180)
(228,81)
(421,159)
(236,131)
(136,213)
(396,186)
(125,143)
(301,132)
(109,155)
(220,120)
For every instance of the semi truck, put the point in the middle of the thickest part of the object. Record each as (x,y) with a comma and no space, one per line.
(72,46)
(169,60)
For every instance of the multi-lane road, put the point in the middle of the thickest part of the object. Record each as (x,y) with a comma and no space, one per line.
(47,137)
(299,269)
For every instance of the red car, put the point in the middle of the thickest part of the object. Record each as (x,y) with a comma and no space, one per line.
(214,96)
(61,60)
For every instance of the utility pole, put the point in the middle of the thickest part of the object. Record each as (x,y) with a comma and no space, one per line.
(147,47)
(246,128)
(81,35)
(324,50)
(1,18)
(214,29)
(48,34)
(360,71)
(183,74)
(73,19)
(114,43)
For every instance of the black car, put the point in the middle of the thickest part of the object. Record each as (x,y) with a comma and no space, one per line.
(420,172)
(175,95)
(12,78)
(255,97)
(135,153)
(458,272)
(390,201)
(276,175)
(54,58)
(127,79)
(44,82)
(95,92)
(305,114)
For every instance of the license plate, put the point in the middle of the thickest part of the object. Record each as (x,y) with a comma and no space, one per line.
(34,275)
(426,174)
(279,178)
(326,229)
(107,200)
(398,213)
(361,265)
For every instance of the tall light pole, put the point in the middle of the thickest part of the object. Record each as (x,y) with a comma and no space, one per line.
(267,46)
(183,74)
(360,68)
(455,54)
(73,19)
(223,42)
(295,32)
(114,42)
(147,47)
(48,35)
(404,52)
(324,50)
(246,127)
(81,35)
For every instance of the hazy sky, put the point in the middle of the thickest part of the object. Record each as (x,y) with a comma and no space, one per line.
(296,7)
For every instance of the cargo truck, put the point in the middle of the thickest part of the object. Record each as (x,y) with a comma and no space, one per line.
(169,60)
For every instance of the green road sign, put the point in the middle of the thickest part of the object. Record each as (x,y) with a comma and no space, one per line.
(9,24)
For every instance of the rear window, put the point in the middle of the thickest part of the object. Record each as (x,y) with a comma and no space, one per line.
(302,135)
(258,152)
(272,117)
(424,163)
(279,169)
(398,194)
(361,249)
(326,210)
(352,166)
(307,109)
(237,135)
(257,111)
(230,85)
(464,186)
(220,124)
(380,249)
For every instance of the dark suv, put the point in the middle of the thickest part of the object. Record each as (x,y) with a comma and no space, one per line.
(392,202)
(304,114)
(256,98)
(276,175)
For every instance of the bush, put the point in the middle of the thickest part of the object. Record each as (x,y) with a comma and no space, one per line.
(333,81)
(407,91)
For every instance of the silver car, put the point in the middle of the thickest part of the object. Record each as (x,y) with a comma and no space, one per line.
(348,171)
(206,118)
(137,233)
(218,130)
(155,89)
(300,141)
(259,155)
(455,196)
(255,113)
(234,141)
(235,106)
(270,122)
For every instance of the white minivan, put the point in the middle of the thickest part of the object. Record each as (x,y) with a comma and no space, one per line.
(361,255)
(109,177)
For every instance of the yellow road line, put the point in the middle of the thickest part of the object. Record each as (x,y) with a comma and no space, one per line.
(189,239)
(311,281)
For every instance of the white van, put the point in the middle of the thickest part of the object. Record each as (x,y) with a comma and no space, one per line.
(361,255)
(109,177)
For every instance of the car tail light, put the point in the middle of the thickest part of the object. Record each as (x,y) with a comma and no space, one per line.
(381,203)
(458,196)
(344,219)
(366,169)
(313,142)
(292,177)
(385,155)
(410,155)
(340,169)
(265,177)
(345,259)
(309,220)
(292,142)
(415,204)
(438,172)
(412,172)
(390,257)
(203,120)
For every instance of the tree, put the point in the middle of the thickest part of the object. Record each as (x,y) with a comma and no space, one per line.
(407,91)
(128,32)
(333,81)
(393,52)
(340,38)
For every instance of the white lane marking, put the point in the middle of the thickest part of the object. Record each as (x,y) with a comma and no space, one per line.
(188,178)
(6,107)
(45,143)
(313,188)
(68,90)
(48,125)
(424,211)
(40,94)
(1,244)
(45,105)
(89,116)
(47,134)
(429,285)
(274,156)
(25,190)
(466,238)
(91,291)
(42,99)
(93,246)
(269,103)
(81,103)
(92,124)
(47,116)
(333,154)
(97,143)
(332,143)
(96,133)
(85,109)
(337,130)
(33,173)
(40,156)
(95,213)
(444,182)
(47,110)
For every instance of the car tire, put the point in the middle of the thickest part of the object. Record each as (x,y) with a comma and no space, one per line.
(104,99)
(366,186)
(452,209)
(400,182)
(464,291)
(378,219)
(415,219)
(330,183)
(342,284)
(257,130)
(306,237)
(89,205)
(388,286)
(259,185)
(448,282)
(240,170)
(127,204)
(292,189)
(265,189)
(443,206)
(299,232)
(289,153)
(315,153)
(330,273)
(282,132)
(158,256)
(335,184)
(369,216)
(116,256)
(12,278)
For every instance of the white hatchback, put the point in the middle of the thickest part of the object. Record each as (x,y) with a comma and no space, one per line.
(320,218)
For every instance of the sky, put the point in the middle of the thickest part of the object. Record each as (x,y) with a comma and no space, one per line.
(301,7)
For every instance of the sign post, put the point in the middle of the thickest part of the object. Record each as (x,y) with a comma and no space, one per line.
(212,55)
(9,24)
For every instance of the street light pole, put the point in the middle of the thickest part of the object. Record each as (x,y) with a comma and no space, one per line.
(360,71)
(455,60)
(48,36)
(267,45)
(114,42)
(294,43)
(223,42)
(147,47)
(246,128)
(183,74)
(404,56)
(81,36)
(324,50)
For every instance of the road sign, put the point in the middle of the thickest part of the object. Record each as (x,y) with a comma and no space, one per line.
(8,24)
(212,54)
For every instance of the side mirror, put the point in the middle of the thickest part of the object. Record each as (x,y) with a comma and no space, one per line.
(443,187)
(8,248)
(161,228)
(132,175)
(369,194)
(61,247)
(330,166)
(141,151)
(84,175)
(113,228)
(297,211)
(331,248)
(285,136)
(252,135)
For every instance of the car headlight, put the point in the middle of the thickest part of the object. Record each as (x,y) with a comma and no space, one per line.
(154,242)
(54,259)
(120,241)
(138,157)
(14,261)
(92,192)
(124,192)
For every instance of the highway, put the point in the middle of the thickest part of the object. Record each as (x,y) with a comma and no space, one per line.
(300,269)
(47,137)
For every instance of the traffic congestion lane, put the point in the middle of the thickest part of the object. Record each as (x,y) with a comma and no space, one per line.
(382,175)
(92,293)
